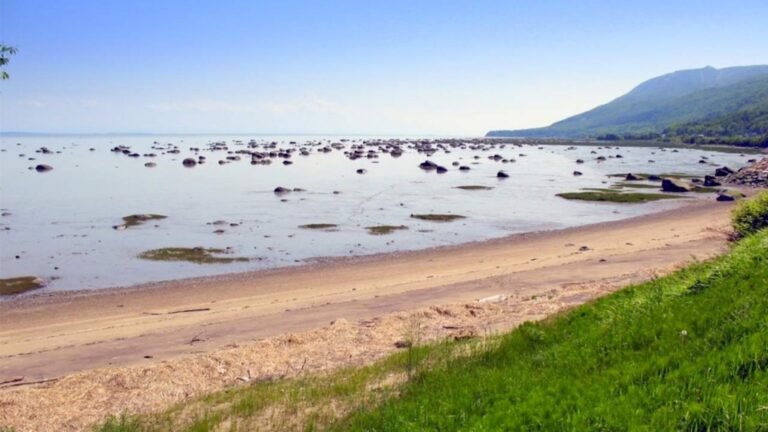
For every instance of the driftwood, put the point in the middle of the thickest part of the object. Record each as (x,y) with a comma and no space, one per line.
(189,310)
(17,383)
(11,381)
(177,311)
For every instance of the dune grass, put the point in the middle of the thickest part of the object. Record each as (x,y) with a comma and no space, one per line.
(616,196)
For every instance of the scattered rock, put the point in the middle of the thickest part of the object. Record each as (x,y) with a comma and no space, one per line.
(43,168)
(676,185)
(723,171)
(729,195)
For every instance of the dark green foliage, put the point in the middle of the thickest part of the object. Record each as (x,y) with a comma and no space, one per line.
(5,52)
(685,352)
(751,215)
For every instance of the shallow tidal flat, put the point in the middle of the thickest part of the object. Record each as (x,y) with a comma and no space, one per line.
(161,208)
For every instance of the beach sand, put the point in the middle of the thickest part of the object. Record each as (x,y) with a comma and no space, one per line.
(143,348)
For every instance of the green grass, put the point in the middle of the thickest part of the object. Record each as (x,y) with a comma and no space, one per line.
(616,197)
(685,352)
(197,255)
(385,229)
(18,285)
(437,217)
(752,215)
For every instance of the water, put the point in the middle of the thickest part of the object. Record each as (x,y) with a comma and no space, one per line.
(60,222)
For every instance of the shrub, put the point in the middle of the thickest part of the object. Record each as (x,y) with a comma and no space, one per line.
(751,215)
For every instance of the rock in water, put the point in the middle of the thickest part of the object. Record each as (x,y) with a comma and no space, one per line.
(43,168)
(723,171)
(676,185)
(502,174)
(189,162)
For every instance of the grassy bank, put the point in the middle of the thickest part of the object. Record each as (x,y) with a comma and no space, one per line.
(688,351)
(684,352)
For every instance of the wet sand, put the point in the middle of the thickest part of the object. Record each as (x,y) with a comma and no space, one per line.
(196,320)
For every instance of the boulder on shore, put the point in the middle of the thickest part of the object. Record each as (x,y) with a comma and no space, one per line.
(729,195)
(711,181)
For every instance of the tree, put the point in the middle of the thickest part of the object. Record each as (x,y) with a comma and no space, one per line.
(5,52)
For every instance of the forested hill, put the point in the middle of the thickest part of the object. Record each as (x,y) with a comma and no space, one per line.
(709,102)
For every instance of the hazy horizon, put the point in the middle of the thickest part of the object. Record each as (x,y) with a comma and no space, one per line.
(306,68)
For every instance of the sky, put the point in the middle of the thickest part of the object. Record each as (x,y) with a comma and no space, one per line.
(415,67)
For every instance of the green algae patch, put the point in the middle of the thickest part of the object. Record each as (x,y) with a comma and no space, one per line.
(197,255)
(637,185)
(473,187)
(319,226)
(431,217)
(385,229)
(612,189)
(138,219)
(616,197)
(20,285)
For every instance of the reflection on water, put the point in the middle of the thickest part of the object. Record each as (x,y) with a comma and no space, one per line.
(59,223)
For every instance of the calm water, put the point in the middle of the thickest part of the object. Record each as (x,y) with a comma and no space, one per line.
(59,223)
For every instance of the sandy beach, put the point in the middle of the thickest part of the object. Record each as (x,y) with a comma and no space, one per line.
(77,339)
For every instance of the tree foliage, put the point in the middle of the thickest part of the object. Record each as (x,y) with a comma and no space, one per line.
(5,53)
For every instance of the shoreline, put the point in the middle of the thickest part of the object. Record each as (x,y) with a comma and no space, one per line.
(209,333)
(309,263)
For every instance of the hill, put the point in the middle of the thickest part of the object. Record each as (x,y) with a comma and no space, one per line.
(690,100)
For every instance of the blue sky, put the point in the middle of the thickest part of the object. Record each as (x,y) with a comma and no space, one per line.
(396,67)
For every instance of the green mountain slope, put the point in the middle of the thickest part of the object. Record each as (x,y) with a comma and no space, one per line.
(666,102)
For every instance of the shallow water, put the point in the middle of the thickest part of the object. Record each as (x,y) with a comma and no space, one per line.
(60,222)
